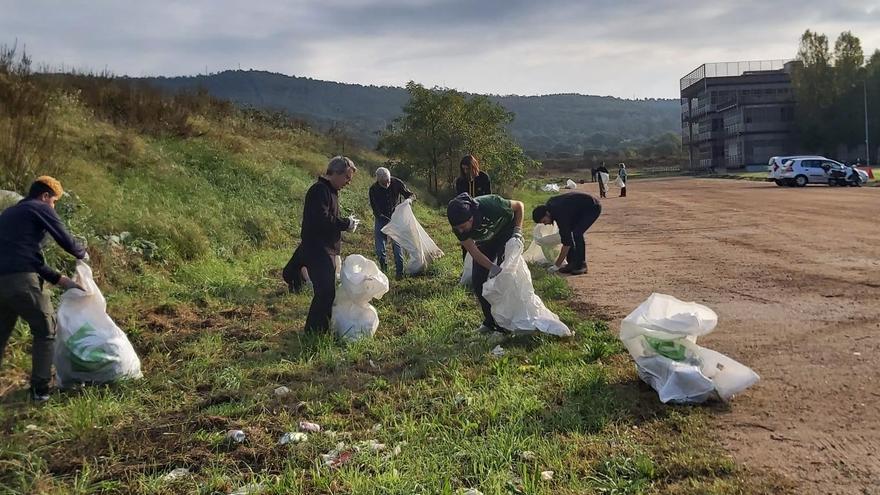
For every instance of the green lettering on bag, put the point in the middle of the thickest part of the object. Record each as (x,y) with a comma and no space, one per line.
(672,349)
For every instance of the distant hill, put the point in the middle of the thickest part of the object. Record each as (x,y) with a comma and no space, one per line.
(563,123)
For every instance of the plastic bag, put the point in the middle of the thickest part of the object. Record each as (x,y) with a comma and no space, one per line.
(545,245)
(353,316)
(89,347)
(406,231)
(661,335)
(515,306)
(604,178)
(619,182)
(9,198)
(550,188)
(467,271)
(570,184)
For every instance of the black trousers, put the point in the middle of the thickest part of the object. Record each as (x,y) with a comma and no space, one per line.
(22,296)
(494,250)
(577,254)
(322,273)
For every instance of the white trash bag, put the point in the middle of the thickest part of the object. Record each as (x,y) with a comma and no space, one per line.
(619,182)
(9,198)
(661,335)
(353,316)
(404,229)
(550,188)
(89,347)
(570,184)
(467,271)
(604,178)
(515,306)
(545,245)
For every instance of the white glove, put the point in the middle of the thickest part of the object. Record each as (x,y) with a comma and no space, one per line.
(494,270)
(353,223)
(553,268)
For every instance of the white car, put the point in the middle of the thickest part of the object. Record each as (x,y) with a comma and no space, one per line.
(802,170)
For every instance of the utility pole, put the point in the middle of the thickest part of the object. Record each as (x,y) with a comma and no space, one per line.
(867,143)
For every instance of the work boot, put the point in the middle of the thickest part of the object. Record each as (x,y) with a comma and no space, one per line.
(579,271)
(565,269)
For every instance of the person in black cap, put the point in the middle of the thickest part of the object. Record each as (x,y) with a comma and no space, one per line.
(573,213)
(483,225)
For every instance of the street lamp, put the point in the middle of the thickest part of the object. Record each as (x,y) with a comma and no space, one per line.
(867,144)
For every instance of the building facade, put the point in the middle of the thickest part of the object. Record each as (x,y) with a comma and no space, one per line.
(736,114)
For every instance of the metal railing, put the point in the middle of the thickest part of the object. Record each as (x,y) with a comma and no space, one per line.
(728,69)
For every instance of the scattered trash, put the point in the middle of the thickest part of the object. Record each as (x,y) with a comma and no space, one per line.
(236,436)
(461,400)
(857,354)
(282,391)
(31,427)
(527,455)
(353,315)
(376,427)
(498,351)
(550,188)
(375,446)
(373,365)
(89,347)
(293,437)
(515,306)
(251,489)
(408,233)
(338,456)
(470,491)
(570,184)
(661,335)
(546,475)
(176,474)
(309,426)
(397,449)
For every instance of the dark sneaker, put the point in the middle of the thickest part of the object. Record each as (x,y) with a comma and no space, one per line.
(39,394)
(565,269)
(579,271)
(485,329)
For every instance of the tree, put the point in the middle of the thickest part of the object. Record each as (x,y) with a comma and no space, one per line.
(439,126)
(813,86)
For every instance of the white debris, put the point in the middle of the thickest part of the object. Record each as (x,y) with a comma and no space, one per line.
(546,475)
(527,455)
(470,491)
(293,437)
(498,351)
(176,474)
(376,427)
(282,391)
(251,489)
(374,445)
(31,428)
(309,426)
(236,436)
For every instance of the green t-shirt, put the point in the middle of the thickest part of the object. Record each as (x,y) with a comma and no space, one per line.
(495,216)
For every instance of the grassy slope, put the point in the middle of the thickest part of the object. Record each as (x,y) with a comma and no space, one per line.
(217,333)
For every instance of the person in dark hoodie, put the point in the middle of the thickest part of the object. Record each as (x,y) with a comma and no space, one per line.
(573,213)
(23,273)
(320,241)
(483,226)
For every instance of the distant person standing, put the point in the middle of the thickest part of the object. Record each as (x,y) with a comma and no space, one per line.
(603,180)
(321,239)
(471,179)
(384,196)
(592,174)
(574,213)
(23,273)
(621,174)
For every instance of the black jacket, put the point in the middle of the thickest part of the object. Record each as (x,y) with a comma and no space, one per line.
(383,200)
(567,210)
(480,186)
(23,228)
(321,226)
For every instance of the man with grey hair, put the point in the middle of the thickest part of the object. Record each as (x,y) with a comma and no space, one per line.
(320,241)
(384,196)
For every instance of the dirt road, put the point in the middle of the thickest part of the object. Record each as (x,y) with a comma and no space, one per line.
(794,275)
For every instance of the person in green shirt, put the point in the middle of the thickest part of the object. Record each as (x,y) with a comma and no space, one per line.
(483,225)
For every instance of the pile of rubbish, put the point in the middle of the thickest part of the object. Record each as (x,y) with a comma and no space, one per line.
(353,316)
(406,231)
(661,335)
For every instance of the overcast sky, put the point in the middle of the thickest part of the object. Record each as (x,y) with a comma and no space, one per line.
(635,48)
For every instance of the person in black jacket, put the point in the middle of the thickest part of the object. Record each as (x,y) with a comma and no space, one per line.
(384,196)
(23,271)
(573,213)
(603,186)
(472,180)
(320,241)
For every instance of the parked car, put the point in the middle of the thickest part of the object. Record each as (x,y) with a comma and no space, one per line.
(802,170)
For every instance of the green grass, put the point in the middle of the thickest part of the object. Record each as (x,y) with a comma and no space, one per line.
(217,333)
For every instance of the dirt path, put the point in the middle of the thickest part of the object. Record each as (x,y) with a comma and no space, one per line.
(794,275)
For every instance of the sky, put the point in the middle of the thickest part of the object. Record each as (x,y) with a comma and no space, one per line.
(623,48)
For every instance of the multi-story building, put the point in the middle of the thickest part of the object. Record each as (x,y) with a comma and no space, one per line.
(736,114)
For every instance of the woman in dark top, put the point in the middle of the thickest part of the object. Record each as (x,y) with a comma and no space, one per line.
(472,180)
